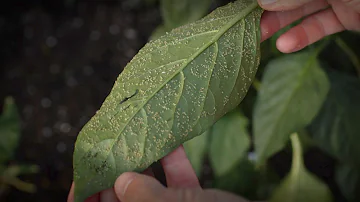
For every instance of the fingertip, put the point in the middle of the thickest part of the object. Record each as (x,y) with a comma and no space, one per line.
(123,182)
(288,43)
(138,187)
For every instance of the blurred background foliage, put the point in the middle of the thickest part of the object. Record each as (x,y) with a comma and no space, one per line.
(59,60)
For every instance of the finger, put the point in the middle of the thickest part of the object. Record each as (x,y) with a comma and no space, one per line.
(178,170)
(281,5)
(312,29)
(347,14)
(271,22)
(353,4)
(71,194)
(108,196)
(94,198)
(131,187)
(214,195)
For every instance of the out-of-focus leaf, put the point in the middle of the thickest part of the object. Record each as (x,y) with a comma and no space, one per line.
(229,142)
(268,180)
(9,130)
(16,170)
(196,149)
(336,129)
(293,90)
(173,90)
(301,185)
(242,179)
(177,13)
(348,180)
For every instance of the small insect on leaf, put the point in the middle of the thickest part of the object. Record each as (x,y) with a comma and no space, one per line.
(184,82)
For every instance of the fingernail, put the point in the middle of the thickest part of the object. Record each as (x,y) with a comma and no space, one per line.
(267,2)
(123,182)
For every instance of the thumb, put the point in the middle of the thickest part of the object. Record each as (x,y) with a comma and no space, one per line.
(131,187)
(282,5)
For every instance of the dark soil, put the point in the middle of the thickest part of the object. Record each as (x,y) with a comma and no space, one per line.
(59,63)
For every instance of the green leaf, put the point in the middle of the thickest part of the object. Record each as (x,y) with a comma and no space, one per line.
(196,150)
(16,170)
(173,90)
(293,90)
(301,185)
(229,142)
(9,130)
(336,128)
(173,14)
(241,180)
(177,13)
(348,180)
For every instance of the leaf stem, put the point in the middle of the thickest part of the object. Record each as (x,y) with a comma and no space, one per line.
(354,59)
(19,184)
(297,160)
(321,47)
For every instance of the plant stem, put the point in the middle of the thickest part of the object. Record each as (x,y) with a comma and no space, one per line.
(321,47)
(19,184)
(297,160)
(354,59)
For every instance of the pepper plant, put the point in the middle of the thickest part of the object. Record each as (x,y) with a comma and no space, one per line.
(205,81)
(10,171)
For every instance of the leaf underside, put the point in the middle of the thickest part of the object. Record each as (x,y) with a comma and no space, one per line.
(173,90)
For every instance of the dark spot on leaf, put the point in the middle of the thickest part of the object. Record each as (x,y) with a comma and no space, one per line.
(127,98)
(127,107)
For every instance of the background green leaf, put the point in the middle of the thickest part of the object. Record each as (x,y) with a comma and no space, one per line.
(229,142)
(292,92)
(301,185)
(336,129)
(173,90)
(176,13)
(196,150)
(9,130)
(242,179)
(348,180)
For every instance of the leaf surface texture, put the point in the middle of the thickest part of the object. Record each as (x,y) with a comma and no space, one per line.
(173,90)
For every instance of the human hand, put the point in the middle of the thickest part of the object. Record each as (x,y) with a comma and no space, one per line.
(323,18)
(182,185)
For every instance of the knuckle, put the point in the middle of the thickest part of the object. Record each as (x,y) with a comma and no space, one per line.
(353,26)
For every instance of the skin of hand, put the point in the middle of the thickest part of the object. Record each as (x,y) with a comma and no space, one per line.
(182,185)
(322,18)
